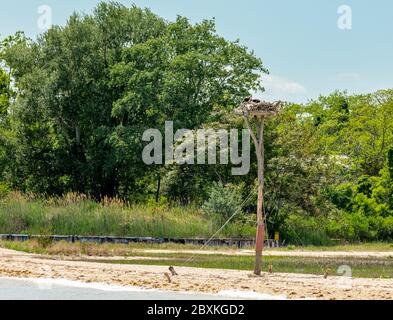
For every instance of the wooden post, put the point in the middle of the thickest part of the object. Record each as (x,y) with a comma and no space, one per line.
(260,152)
(259,110)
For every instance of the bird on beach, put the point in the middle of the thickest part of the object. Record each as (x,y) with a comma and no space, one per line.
(172,270)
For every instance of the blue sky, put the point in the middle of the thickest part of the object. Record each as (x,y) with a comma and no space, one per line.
(299,41)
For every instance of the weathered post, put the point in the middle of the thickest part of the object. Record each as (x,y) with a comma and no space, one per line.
(257,111)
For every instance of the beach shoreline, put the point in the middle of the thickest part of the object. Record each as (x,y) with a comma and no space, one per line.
(197,280)
(48,284)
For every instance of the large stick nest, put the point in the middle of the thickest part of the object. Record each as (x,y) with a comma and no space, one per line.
(256,107)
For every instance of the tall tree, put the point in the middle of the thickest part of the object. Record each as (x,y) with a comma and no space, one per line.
(86,92)
(4,94)
(390,162)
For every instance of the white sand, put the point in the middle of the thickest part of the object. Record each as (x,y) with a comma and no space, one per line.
(292,286)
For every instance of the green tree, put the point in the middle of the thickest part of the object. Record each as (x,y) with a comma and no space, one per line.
(88,90)
(5,94)
(390,162)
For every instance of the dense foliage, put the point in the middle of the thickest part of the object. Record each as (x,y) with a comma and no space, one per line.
(330,169)
(75,102)
(88,90)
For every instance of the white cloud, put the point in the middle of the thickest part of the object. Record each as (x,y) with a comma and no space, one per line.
(279,88)
(276,85)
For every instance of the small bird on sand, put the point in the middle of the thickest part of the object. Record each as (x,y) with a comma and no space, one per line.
(172,270)
(270,269)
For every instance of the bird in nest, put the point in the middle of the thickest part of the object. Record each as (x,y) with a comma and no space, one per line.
(251,105)
(250,99)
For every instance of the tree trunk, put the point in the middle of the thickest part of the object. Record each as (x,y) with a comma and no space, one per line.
(260,236)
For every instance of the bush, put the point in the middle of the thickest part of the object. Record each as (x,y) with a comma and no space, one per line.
(358,227)
(341,196)
(224,202)
(386,229)
(302,230)
(4,190)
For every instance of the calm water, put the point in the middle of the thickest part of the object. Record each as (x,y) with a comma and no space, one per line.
(15,289)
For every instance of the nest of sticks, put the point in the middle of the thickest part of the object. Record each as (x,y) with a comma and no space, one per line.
(256,107)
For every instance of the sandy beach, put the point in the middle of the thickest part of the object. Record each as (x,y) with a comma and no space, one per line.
(293,286)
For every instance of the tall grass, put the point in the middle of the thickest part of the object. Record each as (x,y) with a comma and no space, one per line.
(78,215)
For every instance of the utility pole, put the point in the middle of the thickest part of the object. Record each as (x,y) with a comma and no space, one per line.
(257,111)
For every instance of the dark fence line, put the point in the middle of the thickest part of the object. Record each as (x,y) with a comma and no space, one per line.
(239,243)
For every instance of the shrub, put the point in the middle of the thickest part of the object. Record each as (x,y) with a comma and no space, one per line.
(386,230)
(341,196)
(4,190)
(223,202)
(304,230)
(358,227)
